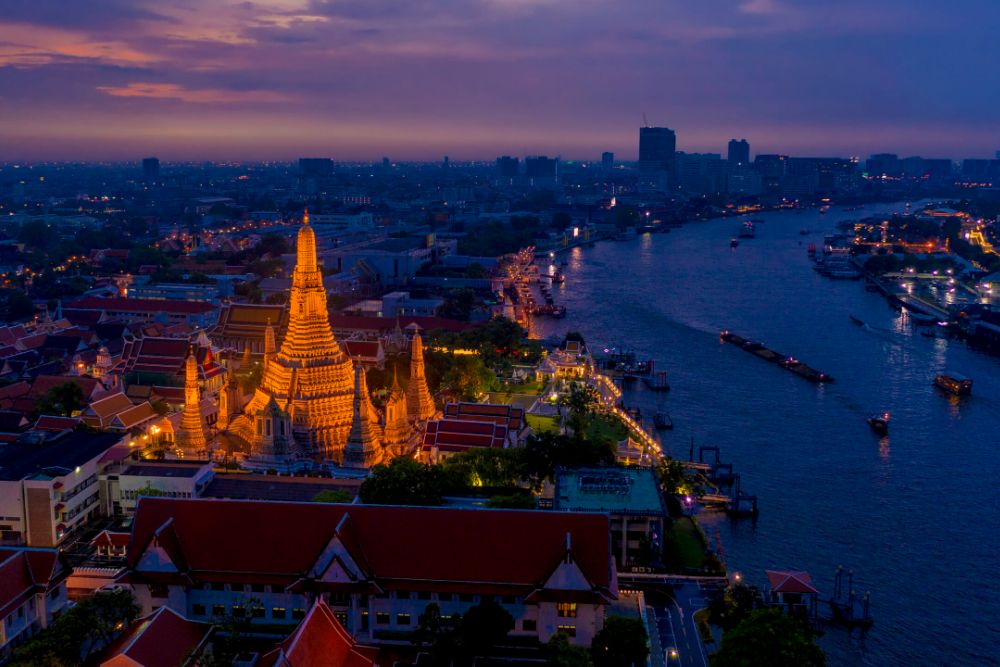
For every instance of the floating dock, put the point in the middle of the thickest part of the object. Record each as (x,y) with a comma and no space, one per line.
(788,363)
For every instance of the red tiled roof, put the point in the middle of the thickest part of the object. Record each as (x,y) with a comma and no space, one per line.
(499,547)
(14,390)
(321,641)
(142,305)
(55,423)
(458,435)
(107,538)
(366,349)
(790,582)
(41,384)
(162,639)
(135,415)
(23,572)
(511,416)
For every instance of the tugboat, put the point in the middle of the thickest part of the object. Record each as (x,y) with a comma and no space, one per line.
(954,383)
(662,421)
(879,423)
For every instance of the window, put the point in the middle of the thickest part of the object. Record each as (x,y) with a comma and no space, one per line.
(54,595)
(216,586)
(256,612)
(402,619)
(446,597)
(342,617)
(298,614)
(238,611)
(424,595)
(364,620)
(277,612)
(382,617)
(568,630)
(466,597)
(566,609)
(197,610)
(529,625)
(257,588)
(508,599)
(218,610)
(158,590)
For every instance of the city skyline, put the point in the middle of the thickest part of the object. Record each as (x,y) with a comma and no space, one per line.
(110,80)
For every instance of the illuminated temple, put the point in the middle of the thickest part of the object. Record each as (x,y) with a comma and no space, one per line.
(308,401)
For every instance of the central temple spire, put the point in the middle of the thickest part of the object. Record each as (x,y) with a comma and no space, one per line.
(309,376)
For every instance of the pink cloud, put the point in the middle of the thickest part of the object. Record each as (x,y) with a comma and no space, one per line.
(173,91)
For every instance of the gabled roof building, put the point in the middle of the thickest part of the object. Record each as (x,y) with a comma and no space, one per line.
(377,567)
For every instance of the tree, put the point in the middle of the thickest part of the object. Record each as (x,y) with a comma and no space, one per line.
(93,623)
(404,481)
(61,400)
(483,627)
(459,304)
(438,633)
(769,637)
(469,378)
(734,606)
(560,653)
(622,642)
(332,496)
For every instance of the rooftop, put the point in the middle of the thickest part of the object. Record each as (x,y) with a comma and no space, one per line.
(617,489)
(21,460)
(172,469)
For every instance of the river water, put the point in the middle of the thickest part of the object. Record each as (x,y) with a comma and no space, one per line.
(916,515)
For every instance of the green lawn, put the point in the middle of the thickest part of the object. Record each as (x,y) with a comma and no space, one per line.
(542,423)
(602,426)
(682,546)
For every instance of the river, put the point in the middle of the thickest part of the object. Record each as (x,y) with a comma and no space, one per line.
(916,515)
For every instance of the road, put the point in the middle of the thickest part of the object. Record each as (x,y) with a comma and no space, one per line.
(676,625)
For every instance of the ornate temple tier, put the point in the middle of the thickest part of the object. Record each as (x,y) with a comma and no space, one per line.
(310,378)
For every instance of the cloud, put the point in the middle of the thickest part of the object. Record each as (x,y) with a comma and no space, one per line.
(760,7)
(173,91)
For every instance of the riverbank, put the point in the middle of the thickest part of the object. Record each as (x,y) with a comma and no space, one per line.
(818,470)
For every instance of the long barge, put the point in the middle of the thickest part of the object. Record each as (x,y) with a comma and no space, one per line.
(788,363)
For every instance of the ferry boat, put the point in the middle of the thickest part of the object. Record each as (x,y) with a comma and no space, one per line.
(879,423)
(662,421)
(954,383)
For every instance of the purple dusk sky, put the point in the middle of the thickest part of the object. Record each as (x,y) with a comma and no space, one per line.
(417,79)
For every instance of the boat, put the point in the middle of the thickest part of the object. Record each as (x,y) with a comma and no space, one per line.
(733,243)
(857,320)
(657,381)
(662,421)
(954,383)
(746,230)
(879,423)
(803,232)
(558,278)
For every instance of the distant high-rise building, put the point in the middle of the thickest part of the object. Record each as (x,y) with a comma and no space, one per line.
(507,166)
(151,169)
(385,163)
(446,163)
(739,151)
(883,164)
(608,160)
(315,166)
(657,150)
(541,167)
